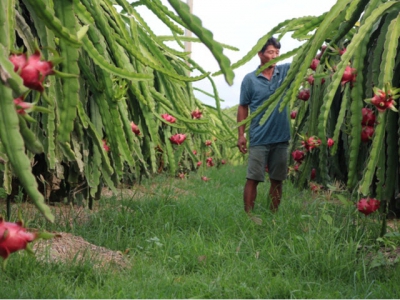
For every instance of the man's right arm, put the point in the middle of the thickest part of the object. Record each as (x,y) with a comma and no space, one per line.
(242,113)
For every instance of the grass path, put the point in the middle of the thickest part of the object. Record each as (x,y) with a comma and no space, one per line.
(191,239)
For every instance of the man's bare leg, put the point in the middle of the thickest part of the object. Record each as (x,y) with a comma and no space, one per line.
(250,194)
(275,193)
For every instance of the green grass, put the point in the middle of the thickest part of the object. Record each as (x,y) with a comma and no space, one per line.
(192,239)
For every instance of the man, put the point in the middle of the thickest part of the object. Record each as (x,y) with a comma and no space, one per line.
(268,145)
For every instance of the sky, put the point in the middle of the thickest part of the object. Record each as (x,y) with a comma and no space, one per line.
(239,23)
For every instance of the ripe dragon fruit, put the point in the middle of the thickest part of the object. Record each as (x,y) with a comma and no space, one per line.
(13,237)
(205,178)
(330,142)
(384,98)
(349,75)
(33,71)
(313,173)
(368,117)
(314,64)
(366,133)
(311,143)
(304,94)
(368,205)
(196,114)
(135,128)
(209,162)
(105,146)
(168,118)
(21,106)
(298,155)
(178,138)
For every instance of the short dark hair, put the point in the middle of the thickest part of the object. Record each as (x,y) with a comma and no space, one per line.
(271,41)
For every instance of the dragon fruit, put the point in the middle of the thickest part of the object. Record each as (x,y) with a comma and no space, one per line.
(105,146)
(13,237)
(304,94)
(178,138)
(368,205)
(168,118)
(298,155)
(21,106)
(366,133)
(349,75)
(368,116)
(196,114)
(135,128)
(330,142)
(314,64)
(33,70)
(383,98)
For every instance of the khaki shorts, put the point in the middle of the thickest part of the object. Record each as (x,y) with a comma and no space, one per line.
(275,156)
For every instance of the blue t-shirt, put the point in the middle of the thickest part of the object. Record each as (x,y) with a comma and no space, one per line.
(256,89)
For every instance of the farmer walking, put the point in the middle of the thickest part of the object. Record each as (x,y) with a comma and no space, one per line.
(268,143)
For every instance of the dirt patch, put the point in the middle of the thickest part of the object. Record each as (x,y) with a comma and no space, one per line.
(66,247)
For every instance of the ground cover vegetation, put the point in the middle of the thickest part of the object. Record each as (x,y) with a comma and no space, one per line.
(185,238)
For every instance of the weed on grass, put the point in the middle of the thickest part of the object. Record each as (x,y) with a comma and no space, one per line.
(189,238)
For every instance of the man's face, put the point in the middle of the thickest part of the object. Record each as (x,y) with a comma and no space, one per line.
(270,53)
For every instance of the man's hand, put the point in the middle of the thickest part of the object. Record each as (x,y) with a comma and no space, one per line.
(242,144)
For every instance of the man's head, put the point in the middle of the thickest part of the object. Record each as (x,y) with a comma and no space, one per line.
(269,51)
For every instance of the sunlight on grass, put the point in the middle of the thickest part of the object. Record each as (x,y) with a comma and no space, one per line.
(190,238)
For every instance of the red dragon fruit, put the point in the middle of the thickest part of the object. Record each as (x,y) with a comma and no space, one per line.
(368,205)
(304,94)
(33,71)
(196,114)
(19,61)
(314,64)
(21,106)
(168,118)
(368,116)
(208,143)
(293,114)
(366,133)
(298,155)
(13,237)
(105,146)
(178,138)
(310,79)
(330,142)
(383,99)
(135,128)
(311,143)
(349,75)
(313,173)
